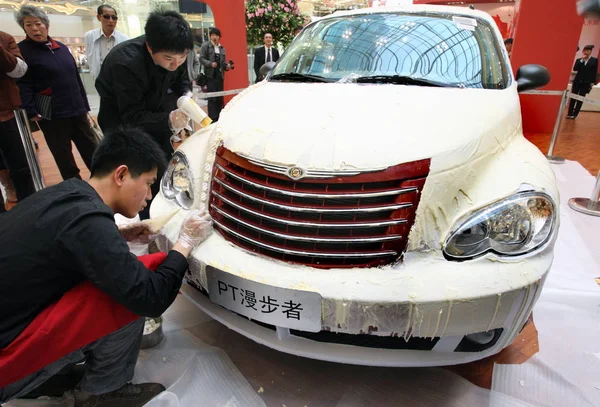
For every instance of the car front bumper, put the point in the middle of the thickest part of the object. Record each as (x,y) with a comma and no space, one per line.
(425,298)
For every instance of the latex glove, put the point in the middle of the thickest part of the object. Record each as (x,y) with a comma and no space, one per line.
(178,120)
(196,227)
(138,232)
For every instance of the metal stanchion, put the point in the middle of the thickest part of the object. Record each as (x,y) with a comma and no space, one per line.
(28,145)
(589,206)
(552,158)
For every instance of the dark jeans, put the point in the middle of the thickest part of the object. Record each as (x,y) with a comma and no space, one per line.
(59,133)
(581,89)
(110,363)
(13,158)
(215,105)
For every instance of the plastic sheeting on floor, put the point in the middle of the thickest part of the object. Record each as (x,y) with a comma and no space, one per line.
(566,370)
(194,373)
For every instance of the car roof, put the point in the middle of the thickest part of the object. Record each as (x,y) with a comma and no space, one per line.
(415,8)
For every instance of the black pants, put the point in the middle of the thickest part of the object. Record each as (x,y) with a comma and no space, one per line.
(59,133)
(110,363)
(13,158)
(215,105)
(581,89)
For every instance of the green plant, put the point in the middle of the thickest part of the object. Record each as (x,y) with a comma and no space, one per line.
(282,18)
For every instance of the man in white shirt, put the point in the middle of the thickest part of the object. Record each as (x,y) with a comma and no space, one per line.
(99,42)
(265,54)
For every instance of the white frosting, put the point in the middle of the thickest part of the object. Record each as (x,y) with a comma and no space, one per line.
(365,126)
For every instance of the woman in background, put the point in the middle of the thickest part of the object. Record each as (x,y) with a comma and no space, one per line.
(52,93)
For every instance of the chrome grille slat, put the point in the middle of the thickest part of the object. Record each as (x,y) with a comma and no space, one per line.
(304,252)
(354,219)
(315,209)
(311,224)
(282,169)
(305,238)
(317,195)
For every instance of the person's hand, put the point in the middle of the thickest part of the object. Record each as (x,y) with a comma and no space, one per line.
(138,232)
(36,118)
(214,64)
(196,227)
(178,120)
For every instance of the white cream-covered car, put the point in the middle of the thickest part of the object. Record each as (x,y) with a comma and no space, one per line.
(374,199)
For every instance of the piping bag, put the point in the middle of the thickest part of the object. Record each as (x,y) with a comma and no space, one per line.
(187,105)
(159,222)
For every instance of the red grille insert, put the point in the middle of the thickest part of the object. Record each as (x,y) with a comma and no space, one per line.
(342,221)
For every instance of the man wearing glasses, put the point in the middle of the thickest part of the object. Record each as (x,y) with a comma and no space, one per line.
(99,42)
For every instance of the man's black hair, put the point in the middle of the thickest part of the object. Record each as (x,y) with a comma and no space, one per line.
(214,30)
(168,31)
(99,11)
(131,147)
(508,41)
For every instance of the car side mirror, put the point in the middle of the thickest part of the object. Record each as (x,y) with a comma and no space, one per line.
(532,76)
(264,70)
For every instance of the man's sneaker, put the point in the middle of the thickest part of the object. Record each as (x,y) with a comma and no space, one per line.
(130,395)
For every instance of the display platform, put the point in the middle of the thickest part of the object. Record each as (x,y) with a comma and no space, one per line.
(203,363)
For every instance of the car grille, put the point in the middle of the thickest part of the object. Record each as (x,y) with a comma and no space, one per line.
(325,220)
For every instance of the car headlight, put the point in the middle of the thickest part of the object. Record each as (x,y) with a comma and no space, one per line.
(513,226)
(177,182)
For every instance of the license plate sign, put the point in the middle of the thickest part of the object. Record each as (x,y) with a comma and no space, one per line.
(272,305)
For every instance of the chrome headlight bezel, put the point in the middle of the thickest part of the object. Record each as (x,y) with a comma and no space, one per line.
(182,191)
(515,226)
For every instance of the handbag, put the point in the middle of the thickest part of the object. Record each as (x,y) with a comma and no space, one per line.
(95,130)
(43,104)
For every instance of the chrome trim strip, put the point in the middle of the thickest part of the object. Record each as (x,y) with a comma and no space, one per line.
(309,239)
(309,195)
(314,210)
(311,224)
(283,169)
(304,253)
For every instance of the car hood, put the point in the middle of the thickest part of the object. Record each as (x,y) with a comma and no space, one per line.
(367,126)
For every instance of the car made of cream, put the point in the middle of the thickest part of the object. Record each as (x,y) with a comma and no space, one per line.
(374,199)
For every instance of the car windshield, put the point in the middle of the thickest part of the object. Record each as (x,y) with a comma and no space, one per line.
(409,49)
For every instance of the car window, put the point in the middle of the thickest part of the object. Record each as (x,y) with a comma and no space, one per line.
(440,48)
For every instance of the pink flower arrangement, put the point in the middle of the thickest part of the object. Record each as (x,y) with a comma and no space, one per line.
(282,18)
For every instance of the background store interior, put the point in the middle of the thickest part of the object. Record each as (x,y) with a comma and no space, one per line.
(70,20)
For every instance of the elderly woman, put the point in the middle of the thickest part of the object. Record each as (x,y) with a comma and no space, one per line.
(52,93)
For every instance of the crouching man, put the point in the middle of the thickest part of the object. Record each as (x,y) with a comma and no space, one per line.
(67,273)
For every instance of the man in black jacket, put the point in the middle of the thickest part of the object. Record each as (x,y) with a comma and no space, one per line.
(66,234)
(587,70)
(137,75)
(214,61)
(264,54)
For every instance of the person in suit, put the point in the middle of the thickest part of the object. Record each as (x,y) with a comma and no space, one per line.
(214,61)
(266,53)
(587,70)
